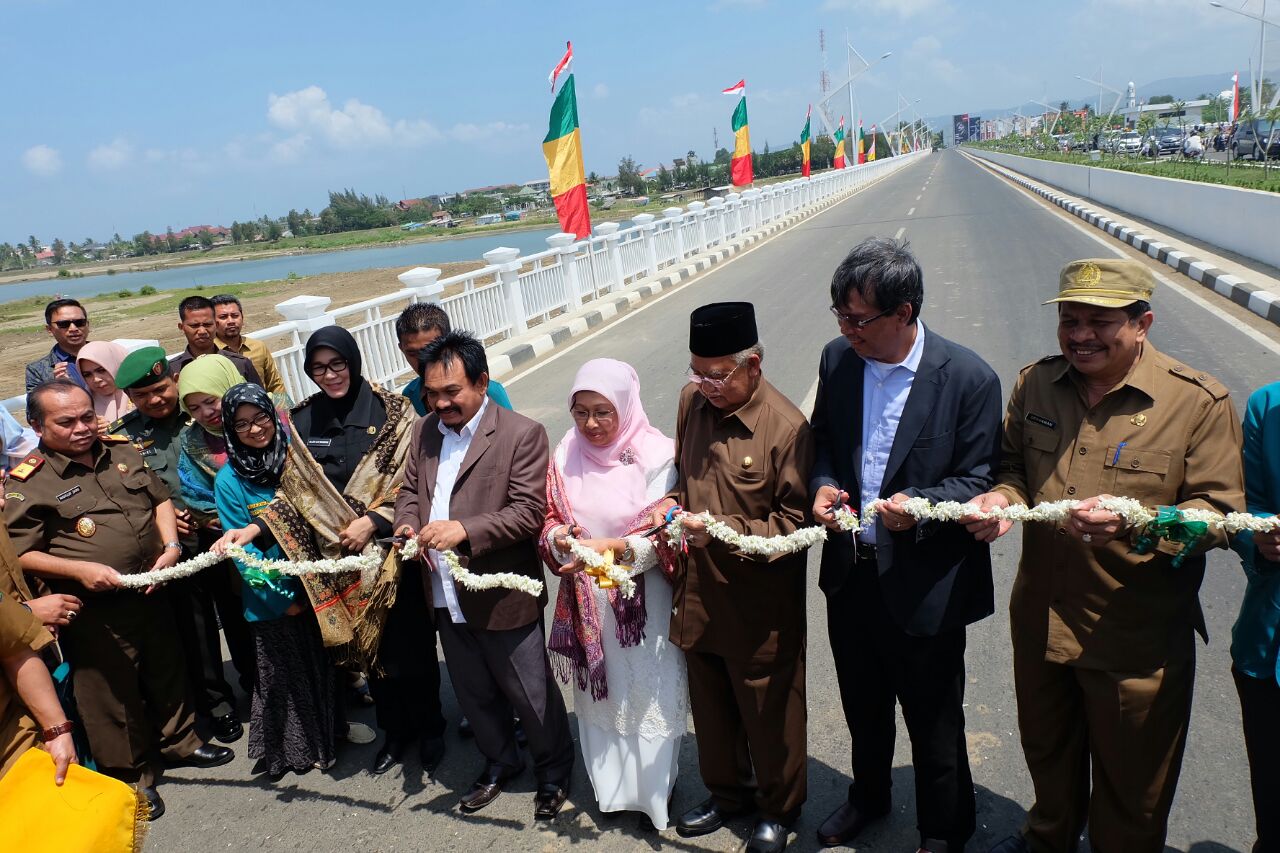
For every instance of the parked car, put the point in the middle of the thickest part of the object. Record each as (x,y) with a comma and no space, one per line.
(1129,142)
(1246,141)
(1169,140)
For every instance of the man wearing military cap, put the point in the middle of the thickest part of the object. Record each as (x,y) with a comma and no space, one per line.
(82,512)
(208,599)
(1103,617)
(743,453)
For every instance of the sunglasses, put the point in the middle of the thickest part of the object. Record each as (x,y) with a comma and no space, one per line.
(67,324)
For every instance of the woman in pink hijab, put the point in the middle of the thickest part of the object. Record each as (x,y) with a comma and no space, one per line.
(98,362)
(630,692)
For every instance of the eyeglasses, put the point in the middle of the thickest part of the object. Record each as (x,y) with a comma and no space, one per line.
(714,384)
(602,416)
(336,366)
(67,324)
(850,320)
(262,420)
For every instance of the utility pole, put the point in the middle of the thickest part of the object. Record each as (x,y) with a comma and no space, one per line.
(715,142)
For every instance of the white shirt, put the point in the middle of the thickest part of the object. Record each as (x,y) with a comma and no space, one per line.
(452,452)
(885,388)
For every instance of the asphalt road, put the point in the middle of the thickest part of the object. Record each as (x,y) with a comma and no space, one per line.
(991,256)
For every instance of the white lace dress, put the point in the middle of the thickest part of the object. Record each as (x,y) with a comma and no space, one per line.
(631,739)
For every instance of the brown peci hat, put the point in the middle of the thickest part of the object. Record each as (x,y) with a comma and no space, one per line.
(1105,282)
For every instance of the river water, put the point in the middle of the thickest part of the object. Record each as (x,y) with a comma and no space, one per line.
(267,269)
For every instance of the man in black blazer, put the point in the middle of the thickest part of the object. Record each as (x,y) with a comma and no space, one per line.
(901,412)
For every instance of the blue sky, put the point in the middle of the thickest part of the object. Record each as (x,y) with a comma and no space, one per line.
(137,116)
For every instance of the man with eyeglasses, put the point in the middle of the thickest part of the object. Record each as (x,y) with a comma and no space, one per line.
(68,322)
(205,600)
(901,412)
(743,453)
(197,324)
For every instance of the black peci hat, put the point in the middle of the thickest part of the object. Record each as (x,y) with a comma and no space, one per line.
(722,328)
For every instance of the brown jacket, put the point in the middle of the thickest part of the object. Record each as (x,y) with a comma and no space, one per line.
(750,470)
(1167,436)
(499,497)
(19,632)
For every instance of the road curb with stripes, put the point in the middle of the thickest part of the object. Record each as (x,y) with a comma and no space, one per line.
(1258,300)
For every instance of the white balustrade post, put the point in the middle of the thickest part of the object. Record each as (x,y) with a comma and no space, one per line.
(566,245)
(609,231)
(673,215)
(716,219)
(733,209)
(751,209)
(422,283)
(504,259)
(699,210)
(648,233)
(307,314)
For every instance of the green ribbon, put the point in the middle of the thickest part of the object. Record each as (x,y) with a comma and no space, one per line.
(1170,525)
(258,579)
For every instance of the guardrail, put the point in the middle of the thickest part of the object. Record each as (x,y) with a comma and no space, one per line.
(511,293)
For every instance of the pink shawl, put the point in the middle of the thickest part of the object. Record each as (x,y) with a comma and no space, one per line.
(109,355)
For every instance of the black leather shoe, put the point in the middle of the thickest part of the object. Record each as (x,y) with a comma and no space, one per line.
(227,728)
(391,754)
(431,751)
(464,728)
(844,824)
(768,837)
(703,819)
(548,800)
(154,803)
(485,790)
(1012,844)
(208,755)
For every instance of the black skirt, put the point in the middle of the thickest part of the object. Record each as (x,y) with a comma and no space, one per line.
(294,721)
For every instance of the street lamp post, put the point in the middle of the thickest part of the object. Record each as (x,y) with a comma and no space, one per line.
(1102,86)
(1262,50)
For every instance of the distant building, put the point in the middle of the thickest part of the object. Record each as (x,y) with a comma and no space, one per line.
(1192,113)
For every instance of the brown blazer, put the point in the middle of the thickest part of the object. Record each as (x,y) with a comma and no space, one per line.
(499,497)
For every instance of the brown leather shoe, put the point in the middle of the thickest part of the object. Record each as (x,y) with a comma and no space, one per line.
(844,824)
(485,790)
(548,800)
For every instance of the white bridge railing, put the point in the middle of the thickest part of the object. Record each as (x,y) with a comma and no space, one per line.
(502,299)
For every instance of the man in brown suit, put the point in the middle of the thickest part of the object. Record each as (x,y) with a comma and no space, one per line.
(475,485)
(744,453)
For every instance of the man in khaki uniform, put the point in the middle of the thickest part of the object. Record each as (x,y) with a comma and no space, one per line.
(743,452)
(228,321)
(82,512)
(1103,646)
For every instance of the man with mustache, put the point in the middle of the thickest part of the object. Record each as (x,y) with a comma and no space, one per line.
(197,324)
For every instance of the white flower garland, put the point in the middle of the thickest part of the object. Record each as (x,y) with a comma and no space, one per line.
(756,546)
(477,583)
(603,569)
(358,563)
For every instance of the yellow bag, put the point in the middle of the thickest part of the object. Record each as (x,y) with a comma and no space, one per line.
(89,813)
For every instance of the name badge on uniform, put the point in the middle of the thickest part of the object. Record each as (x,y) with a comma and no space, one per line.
(69,493)
(319,442)
(1042,420)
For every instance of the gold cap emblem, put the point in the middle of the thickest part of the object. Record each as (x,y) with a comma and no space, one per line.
(1138,420)
(1088,275)
(86,527)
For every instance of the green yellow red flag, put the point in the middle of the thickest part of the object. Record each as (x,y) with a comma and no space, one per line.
(804,144)
(871,149)
(838,161)
(562,149)
(862,144)
(740,170)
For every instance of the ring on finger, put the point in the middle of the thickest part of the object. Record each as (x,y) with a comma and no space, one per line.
(71,614)
(1085,537)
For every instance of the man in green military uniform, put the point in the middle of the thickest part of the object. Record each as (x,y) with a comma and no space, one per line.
(82,512)
(208,599)
(1103,617)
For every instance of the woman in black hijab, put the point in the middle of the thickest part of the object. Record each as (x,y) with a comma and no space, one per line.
(352,427)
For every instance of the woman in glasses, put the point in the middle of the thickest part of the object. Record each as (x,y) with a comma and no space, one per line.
(294,717)
(98,362)
(607,475)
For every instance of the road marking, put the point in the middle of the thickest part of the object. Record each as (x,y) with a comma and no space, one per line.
(918,197)
(911,211)
(901,231)
(809,399)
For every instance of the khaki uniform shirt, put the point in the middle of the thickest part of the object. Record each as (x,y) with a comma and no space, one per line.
(258,353)
(1168,436)
(749,469)
(100,514)
(19,631)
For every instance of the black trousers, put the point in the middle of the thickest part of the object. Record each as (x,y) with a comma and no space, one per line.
(200,604)
(878,664)
(494,672)
(406,693)
(1259,711)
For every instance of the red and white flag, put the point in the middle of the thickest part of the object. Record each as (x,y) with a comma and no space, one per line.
(562,66)
(736,89)
(1235,96)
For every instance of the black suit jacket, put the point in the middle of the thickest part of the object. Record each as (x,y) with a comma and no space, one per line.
(935,576)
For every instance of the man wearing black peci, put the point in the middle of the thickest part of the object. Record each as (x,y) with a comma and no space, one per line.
(901,412)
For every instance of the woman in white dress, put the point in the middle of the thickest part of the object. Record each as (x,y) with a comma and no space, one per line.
(630,689)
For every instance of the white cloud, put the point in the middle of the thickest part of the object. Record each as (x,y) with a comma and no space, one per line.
(290,149)
(901,8)
(355,125)
(468,132)
(112,156)
(926,44)
(42,160)
(688,99)
(600,91)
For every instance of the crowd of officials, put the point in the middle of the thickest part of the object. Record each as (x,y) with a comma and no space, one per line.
(138,462)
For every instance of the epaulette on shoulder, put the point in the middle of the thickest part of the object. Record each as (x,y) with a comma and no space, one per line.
(25,469)
(114,438)
(124,420)
(307,402)
(1209,383)
(1046,360)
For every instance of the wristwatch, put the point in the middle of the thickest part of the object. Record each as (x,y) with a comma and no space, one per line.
(628,556)
(57,731)
(177,545)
